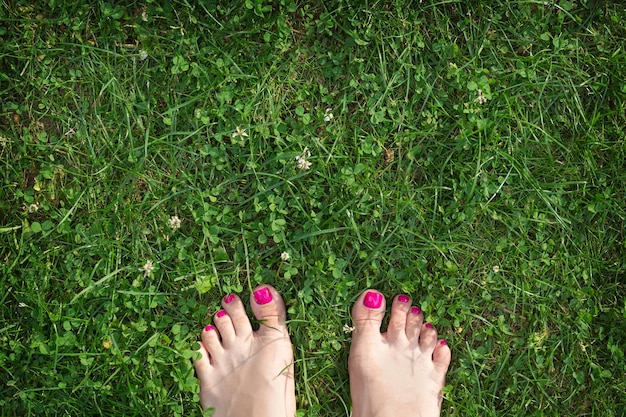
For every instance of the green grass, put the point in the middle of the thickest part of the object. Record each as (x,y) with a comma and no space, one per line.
(476,161)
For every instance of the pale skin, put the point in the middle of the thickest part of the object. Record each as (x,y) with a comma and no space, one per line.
(398,373)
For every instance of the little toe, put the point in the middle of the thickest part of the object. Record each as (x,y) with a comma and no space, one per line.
(428,338)
(211,341)
(236,311)
(268,307)
(442,356)
(368,312)
(396,330)
(414,322)
(224,324)
(203,364)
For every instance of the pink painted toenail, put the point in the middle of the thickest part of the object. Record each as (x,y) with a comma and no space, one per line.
(221,313)
(208,328)
(403,298)
(262,296)
(428,326)
(443,343)
(372,299)
(416,310)
(229,298)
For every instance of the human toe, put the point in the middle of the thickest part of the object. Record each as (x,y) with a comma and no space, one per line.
(368,311)
(226,328)
(211,344)
(268,307)
(414,322)
(428,337)
(203,363)
(442,356)
(236,312)
(400,308)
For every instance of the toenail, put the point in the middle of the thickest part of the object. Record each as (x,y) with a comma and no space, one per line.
(443,343)
(372,299)
(229,298)
(416,310)
(428,326)
(262,296)
(221,313)
(208,328)
(403,298)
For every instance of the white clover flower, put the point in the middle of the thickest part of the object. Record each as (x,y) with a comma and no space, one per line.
(302,163)
(174,223)
(481,99)
(301,160)
(143,55)
(496,269)
(284,256)
(239,132)
(144,15)
(148,268)
(33,208)
(328,115)
(22,305)
(348,329)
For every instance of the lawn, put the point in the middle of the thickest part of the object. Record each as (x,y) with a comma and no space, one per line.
(156,157)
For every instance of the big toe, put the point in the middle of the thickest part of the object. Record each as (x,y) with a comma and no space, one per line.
(368,312)
(269,308)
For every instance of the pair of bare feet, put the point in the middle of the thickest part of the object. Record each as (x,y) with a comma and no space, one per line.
(247,373)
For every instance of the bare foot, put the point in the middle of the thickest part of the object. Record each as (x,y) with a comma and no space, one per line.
(399,373)
(246,373)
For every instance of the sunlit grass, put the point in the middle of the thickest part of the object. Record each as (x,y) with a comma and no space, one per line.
(474,160)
